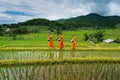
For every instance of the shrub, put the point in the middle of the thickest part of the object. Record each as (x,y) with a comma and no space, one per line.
(96,37)
(86,37)
(117,40)
(1,31)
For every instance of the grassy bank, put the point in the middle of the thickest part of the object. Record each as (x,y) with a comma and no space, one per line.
(41,38)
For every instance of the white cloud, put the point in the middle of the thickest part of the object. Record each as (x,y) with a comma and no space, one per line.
(114,8)
(83,9)
(56,9)
(4,16)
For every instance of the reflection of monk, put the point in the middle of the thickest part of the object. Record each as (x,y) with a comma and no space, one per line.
(73,45)
(50,44)
(61,44)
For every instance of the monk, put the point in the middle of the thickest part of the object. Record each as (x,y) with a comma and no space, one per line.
(61,44)
(73,45)
(50,43)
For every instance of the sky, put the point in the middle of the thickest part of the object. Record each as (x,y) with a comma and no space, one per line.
(14,11)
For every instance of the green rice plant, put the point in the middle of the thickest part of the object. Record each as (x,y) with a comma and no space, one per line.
(100,70)
(35,72)
(72,71)
(2,74)
(32,72)
(27,71)
(77,70)
(106,73)
(112,73)
(43,73)
(49,70)
(51,56)
(22,55)
(103,74)
(62,78)
(97,69)
(90,73)
(84,71)
(55,71)
(66,49)
(118,73)
(66,68)
(81,73)
(7,74)
(21,75)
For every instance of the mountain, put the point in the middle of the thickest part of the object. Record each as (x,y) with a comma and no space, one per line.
(37,22)
(91,20)
(42,22)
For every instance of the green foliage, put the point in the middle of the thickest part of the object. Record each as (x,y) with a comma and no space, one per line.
(91,20)
(99,35)
(21,30)
(1,31)
(117,26)
(41,38)
(36,29)
(15,31)
(117,40)
(52,26)
(96,37)
(12,34)
(86,37)
(86,71)
(59,61)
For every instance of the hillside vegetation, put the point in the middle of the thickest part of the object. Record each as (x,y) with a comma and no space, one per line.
(90,21)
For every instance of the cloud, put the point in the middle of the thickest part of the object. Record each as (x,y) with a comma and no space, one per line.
(13,11)
(114,8)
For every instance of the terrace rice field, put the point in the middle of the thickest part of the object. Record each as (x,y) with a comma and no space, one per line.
(64,71)
(37,62)
(26,60)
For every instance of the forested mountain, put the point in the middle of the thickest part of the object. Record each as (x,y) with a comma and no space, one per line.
(91,20)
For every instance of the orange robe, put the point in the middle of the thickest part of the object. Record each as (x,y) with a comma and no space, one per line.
(61,44)
(73,45)
(50,44)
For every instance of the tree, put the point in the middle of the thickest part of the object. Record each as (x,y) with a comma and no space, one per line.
(20,30)
(1,31)
(96,37)
(99,35)
(86,37)
(12,34)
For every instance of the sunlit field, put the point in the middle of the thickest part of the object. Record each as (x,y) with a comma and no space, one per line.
(29,58)
(41,38)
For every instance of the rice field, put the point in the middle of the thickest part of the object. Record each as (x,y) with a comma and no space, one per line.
(37,62)
(66,71)
(42,55)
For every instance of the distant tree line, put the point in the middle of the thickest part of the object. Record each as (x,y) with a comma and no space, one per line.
(91,21)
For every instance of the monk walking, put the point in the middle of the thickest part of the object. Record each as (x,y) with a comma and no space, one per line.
(73,45)
(61,44)
(50,39)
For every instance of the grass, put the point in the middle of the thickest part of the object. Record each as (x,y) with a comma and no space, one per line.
(28,58)
(58,61)
(41,38)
